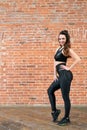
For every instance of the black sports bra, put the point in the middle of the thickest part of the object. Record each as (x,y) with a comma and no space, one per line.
(59,56)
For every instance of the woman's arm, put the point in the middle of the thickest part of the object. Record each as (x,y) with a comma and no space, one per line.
(55,63)
(75,57)
(55,74)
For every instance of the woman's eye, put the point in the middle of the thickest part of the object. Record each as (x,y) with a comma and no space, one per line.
(63,38)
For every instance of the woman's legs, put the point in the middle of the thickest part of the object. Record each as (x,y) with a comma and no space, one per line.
(67,104)
(53,87)
(65,82)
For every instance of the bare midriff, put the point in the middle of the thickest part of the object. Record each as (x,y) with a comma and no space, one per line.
(58,62)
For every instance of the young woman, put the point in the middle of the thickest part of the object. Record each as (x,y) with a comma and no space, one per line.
(62,76)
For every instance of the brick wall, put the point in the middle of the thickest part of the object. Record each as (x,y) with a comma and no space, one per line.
(28,40)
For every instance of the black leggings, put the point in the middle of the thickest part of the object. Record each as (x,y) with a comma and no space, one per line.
(63,82)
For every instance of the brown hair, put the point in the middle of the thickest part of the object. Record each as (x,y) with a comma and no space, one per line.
(67,44)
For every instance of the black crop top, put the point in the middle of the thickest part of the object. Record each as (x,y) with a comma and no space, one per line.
(59,56)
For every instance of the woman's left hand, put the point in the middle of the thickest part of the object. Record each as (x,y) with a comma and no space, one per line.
(64,67)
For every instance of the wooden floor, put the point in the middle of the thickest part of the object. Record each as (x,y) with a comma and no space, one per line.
(39,118)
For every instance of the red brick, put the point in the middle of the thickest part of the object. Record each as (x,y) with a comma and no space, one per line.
(30,39)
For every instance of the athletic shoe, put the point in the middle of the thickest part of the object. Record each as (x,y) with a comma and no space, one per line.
(55,115)
(64,121)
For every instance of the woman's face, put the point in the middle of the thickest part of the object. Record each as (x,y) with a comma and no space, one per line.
(62,39)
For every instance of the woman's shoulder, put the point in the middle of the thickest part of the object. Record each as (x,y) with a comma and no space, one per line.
(72,53)
(71,50)
(57,49)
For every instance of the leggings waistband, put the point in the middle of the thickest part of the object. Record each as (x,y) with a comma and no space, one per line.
(58,67)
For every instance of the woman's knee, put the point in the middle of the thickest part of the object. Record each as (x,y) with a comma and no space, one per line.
(49,91)
(53,87)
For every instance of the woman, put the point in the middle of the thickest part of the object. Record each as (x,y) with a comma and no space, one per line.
(62,76)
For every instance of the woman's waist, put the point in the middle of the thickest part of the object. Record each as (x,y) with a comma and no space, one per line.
(60,63)
(59,66)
